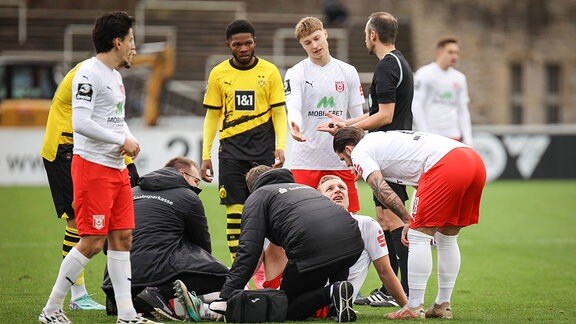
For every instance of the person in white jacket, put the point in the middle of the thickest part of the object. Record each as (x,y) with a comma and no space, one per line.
(440,104)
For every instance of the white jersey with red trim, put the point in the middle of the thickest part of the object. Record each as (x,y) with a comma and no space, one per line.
(401,156)
(99,89)
(440,104)
(311,91)
(374,248)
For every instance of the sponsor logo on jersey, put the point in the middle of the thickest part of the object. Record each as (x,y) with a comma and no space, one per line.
(119,107)
(361,91)
(339,85)
(115,120)
(85,92)
(287,88)
(326,102)
(322,113)
(381,239)
(98,221)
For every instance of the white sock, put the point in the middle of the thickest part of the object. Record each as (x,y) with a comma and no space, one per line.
(78,291)
(419,266)
(120,273)
(448,265)
(210,297)
(70,268)
(207,314)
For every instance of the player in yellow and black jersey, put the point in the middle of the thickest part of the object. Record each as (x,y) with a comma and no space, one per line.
(57,157)
(245,103)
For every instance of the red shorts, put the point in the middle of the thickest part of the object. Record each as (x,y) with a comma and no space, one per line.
(312,178)
(449,193)
(102,198)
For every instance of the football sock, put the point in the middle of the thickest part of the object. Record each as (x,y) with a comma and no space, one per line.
(391,251)
(71,266)
(402,255)
(233,216)
(120,272)
(210,297)
(419,266)
(448,265)
(71,238)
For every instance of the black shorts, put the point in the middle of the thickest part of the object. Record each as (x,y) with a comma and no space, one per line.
(60,180)
(400,190)
(232,179)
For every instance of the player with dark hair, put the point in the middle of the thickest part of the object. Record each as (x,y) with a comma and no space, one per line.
(391,96)
(244,103)
(104,209)
(441,99)
(450,177)
(56,154)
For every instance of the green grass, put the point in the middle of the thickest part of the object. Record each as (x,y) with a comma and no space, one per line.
(517,264)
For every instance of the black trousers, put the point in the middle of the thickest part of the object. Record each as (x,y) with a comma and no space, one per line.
(307,291)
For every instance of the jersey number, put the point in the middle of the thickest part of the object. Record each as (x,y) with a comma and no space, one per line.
(244,100)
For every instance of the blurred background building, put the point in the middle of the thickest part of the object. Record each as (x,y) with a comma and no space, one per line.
(518,55)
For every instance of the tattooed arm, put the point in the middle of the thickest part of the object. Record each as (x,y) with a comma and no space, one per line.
(387,196)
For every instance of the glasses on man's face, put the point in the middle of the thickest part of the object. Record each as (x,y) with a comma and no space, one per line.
(196,179)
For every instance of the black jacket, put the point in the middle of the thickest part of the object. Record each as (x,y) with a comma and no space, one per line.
(171,235)
(313,230)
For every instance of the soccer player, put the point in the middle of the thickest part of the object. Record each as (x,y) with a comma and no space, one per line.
(450,177)
(375,249)
(440,104)
(314,86)
(245,104)
(391,96)
(57,157)
(102,194)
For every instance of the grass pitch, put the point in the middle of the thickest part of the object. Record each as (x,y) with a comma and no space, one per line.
(517,264)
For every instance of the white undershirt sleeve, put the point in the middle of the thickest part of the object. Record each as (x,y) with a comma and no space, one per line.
(355,111)
(418,102)
(84,125)
(293,100)
(464,115)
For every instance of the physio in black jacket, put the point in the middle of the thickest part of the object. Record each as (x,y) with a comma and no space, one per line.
(321,241)
(171,239)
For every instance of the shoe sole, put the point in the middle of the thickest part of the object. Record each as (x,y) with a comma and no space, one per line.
(346,313)
(443,315)
(142,302)
(185,301)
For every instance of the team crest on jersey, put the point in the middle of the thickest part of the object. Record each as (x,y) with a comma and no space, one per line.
(84,92)
(98,221)
(339,86)
(287,89)
(261,81)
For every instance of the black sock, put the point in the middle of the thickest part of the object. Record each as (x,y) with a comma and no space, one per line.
(402,254)
(391,251)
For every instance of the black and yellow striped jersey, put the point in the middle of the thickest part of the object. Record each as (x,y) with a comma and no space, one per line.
(246,97)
